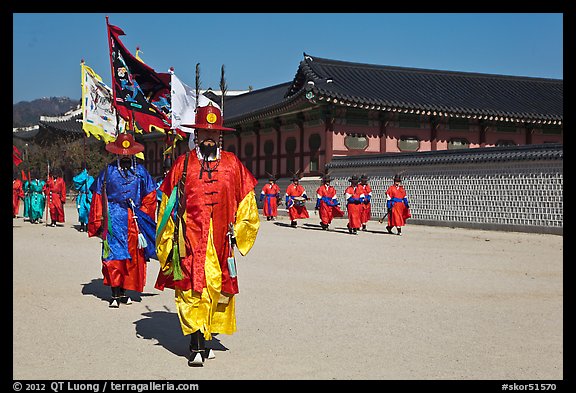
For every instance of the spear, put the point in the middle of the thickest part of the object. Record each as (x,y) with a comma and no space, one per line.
(193,133)
(197,83)
(49,196)
(223,89)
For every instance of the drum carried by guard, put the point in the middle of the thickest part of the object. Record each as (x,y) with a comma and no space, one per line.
(299,201)
(296,200)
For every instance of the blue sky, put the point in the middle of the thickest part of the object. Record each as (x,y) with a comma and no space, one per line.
(264,49)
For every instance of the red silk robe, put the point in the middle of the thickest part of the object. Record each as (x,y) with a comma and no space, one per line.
(294,211)
(55,190)
(326,211)
(196,264)
(399,213)
(269,196)
(17,194)
(366,206)
(217,199)
(354,208)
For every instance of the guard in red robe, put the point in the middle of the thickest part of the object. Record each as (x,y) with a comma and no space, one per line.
(366,205)
(296,201)
(270,196)
(208,208)
(55,190)
(397,204)
(327,203)
(17,194)
(354,196)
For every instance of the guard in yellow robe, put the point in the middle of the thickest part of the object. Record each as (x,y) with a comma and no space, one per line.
(208,208)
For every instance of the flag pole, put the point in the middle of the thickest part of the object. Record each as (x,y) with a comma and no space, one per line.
(82,105)
(170,139)
(197,84)
(112,74)
(197,87)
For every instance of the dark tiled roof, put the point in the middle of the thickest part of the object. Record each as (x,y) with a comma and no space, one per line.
(72,126)
(446,92)
(548,151)
(26,135)
(244,106)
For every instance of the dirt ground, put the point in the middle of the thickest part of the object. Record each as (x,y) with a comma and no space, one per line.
(434,304)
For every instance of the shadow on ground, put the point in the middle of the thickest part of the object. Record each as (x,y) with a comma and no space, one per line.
(164,327)
(103,292)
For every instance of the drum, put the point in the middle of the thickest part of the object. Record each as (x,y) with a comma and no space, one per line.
(299,201)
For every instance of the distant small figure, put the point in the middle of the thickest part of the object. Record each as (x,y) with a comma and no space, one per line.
(17,194)
(36,198)
(82,183)
(270,195)
(296,201)
(327,203)
(55,190)
(366,211)
(397,204)
(354,195)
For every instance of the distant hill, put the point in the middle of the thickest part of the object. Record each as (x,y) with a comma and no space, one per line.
(27,113)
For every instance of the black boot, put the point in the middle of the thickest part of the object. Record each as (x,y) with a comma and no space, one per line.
(389,229)
(197,349)
(123,297)
(293,224)
(82,229)
(115,301)
(363,227)
(399,231)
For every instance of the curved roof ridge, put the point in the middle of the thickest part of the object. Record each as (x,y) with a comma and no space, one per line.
(425,70)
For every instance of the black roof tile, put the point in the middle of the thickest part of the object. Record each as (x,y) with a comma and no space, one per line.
(244,105)
(549,151)
(449,91)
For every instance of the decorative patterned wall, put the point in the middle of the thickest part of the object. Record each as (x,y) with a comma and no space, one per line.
(516,188)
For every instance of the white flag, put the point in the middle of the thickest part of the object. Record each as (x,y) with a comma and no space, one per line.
(183,106)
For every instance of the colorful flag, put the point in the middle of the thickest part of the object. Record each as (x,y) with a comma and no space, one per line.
(141,94)
(99,117)
(16,156)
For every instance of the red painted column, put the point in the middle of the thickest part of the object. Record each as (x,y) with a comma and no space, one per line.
(278,150)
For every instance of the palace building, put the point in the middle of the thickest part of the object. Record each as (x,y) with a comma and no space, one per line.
(335,108)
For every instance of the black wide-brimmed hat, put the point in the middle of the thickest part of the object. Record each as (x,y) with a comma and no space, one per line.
(353,179)
(363,177)
(397,178)
(296,176)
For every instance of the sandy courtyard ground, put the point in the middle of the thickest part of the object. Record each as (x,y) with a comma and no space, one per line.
(434,304)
